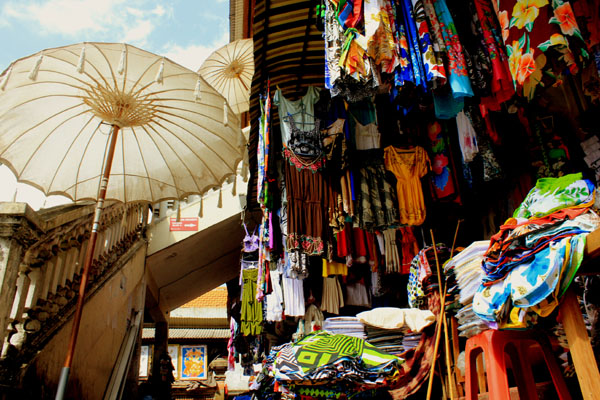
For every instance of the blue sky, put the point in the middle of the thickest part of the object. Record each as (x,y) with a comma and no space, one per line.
(186,31)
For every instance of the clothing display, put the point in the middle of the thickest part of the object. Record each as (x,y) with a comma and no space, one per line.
(430,124)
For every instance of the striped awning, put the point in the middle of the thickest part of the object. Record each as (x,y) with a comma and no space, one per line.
(289,50)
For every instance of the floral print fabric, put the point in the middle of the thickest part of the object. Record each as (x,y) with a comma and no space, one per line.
(435,73)
(529,29)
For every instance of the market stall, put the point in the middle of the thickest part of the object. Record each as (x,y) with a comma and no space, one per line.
(379,128)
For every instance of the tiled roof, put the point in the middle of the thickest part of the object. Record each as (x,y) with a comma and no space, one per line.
(190,333)
(215,298)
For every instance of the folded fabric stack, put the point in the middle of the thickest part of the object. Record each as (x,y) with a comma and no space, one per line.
(349,326)
(469,324)
(533,259)
(411,340)
(327,364)
(388,340)
(466,269)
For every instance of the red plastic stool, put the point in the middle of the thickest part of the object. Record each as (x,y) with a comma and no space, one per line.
(496,345)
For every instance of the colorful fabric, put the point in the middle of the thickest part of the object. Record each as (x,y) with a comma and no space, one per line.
(408,166)
(534,286)
(457,69)
(251,313)
(467,138)
(325,357)
(433,63)
(263,148)
(442,176)
(380,30)
(529,29)
(502,88)
(412,35)
(552,194)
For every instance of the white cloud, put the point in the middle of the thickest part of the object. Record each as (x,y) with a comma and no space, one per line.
(67,17)
(159,11)
(193,56)
(139,32)
(88,19)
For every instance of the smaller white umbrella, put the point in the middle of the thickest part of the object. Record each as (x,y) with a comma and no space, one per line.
(230,70)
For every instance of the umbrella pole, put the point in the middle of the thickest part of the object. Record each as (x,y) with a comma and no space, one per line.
(89,255)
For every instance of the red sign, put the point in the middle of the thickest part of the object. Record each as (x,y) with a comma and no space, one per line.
(184,224)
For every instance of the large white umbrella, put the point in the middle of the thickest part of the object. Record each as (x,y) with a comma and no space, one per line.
(230,70)
(74,118)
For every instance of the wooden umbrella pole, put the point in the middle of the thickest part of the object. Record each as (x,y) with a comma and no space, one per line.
(89,255)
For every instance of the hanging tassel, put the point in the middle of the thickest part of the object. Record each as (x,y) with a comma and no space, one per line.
(197,94)
(159,74)
(245,166)
(201,210)
(234,190)
(220,202)
(81,63)
(36,67)
(5,79)
(124,219)
(225,120)
(178,211)
(121,68)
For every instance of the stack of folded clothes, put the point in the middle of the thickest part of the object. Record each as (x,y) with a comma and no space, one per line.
(349,326)
(388,340)
(533,259)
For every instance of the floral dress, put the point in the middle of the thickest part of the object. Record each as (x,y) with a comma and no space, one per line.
(435,73)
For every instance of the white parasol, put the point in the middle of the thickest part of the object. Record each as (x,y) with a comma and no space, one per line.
(74,118)
(230,70)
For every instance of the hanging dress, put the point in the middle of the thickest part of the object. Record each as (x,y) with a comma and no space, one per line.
(408,166)
(306,192)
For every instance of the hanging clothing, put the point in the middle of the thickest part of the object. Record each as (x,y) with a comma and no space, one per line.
(380,34)
(302,111)
(467,138)
(433,63)
(502,88)
(442,177)
(529,29)
(334,268)
(293,292)
(251,315)
(457,69)
(392,258)
(409,248)
(375,197)
(274,300)
(333,298)
(334,40)
(367,136)
(408,166)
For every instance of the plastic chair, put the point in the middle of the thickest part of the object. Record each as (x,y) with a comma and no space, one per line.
(496,346)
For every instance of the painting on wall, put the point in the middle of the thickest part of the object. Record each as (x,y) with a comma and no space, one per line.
(144,361)
(193,362)
(174,354)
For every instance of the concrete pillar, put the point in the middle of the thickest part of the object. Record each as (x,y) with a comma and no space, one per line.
(19,229)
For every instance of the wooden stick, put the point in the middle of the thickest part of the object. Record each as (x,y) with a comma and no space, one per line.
(455,235)
(437,265)
(438,335)
(444,323)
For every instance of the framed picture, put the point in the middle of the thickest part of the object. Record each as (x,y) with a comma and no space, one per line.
(144,361)
(193,362)
(174,354)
